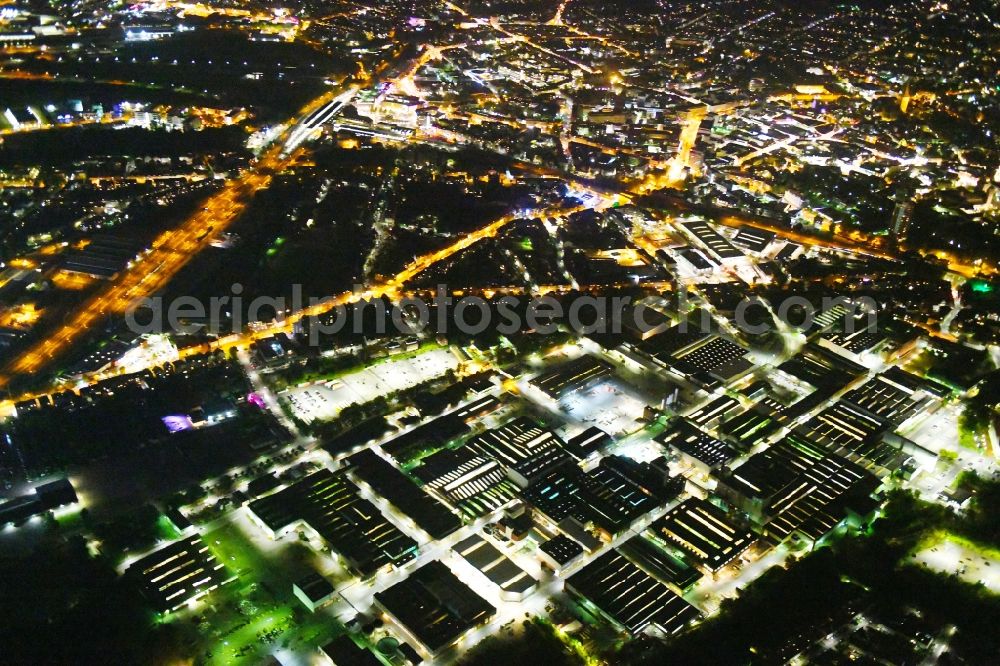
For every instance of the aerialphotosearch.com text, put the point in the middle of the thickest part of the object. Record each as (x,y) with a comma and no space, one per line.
(472,315)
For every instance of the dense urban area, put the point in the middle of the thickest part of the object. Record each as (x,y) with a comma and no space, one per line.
(565,332)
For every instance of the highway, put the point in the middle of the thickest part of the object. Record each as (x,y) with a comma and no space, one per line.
(312,121)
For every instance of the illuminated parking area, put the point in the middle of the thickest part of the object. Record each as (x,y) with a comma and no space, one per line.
(609,405)
(319,402)
(952,555)
(324,401)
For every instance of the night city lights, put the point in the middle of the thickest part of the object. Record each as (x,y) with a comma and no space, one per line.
(561,332)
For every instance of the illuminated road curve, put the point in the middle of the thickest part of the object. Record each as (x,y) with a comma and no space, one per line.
(391,288)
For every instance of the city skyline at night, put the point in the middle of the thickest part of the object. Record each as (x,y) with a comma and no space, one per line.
(620,332)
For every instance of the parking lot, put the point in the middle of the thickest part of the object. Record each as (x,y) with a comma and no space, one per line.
(323,401)
(950,556)
(609,404)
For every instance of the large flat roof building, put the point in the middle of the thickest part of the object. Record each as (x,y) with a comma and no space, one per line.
(179,573)
(717,410)
(513,581)
(429,514)
(47,496)
(330,504)
(603,498)
(525,449)
(797,486)
(587,442)
(475,485)
(855,433)
(703,531)
(434,606)
(559,551)
(313,591)
(660,564)
(571,376)
(629,596)
(695,447)
(755,240)
(891,397)
(714,242)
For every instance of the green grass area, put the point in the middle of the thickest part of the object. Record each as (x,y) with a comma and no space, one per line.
(967,439)
(239,555)
(247,620)
(251,626)
(70,520)
(655,428)
(166,529)
(938,536)
(246,643)
(326,376)
(428,346)
(413,459)
(981,286)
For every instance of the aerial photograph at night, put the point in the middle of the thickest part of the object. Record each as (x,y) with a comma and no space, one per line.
(555,332)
